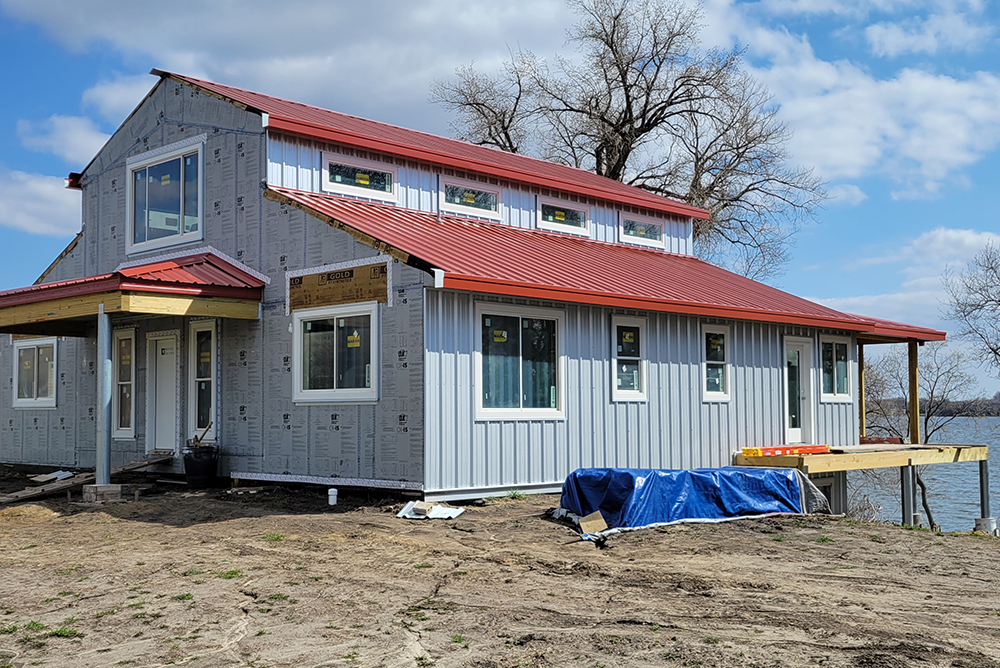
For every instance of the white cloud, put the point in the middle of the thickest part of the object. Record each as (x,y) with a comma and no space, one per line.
(937,32)
(38,204)
(846,193)
(75,139)
(116,98)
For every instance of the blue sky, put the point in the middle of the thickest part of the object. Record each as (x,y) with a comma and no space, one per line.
(895,103)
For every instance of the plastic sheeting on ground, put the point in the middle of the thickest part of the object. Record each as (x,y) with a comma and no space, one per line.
(643,497)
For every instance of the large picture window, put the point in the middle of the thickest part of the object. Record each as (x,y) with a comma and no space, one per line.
(202,374)
(836,370)
(165,196)
(519,362)
(336,353)
(124,370)
(356,176)
(715,364)
(35,373)
(628,351)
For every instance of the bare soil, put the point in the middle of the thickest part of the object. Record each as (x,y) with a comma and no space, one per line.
(279,578)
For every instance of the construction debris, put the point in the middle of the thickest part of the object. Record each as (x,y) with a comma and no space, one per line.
(429,511)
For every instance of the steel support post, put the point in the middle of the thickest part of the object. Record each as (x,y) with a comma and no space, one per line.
(984,489)
(908,498)
(104,385)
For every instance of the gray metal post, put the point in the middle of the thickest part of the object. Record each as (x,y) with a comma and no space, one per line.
(984,489)
(104,385)
(906,491)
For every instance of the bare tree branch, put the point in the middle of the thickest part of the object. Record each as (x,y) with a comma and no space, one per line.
(975,304)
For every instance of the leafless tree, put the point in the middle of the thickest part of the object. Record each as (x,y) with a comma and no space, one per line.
(974,297)
(641,102)
(947,391)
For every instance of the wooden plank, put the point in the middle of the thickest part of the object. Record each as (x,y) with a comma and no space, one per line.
(853,461)
(58,309)
(240,309)
(344,286)
(81,479)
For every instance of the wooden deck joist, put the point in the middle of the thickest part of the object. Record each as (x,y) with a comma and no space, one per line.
(869,457)
(83,479)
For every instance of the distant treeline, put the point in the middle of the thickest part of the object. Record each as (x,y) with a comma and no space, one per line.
(981,407)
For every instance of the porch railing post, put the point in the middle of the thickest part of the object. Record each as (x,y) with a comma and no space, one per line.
(861,390)
(104,384)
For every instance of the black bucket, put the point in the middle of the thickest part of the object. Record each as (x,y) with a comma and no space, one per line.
(201,463)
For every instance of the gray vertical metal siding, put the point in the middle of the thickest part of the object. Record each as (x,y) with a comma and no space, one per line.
(294,162)
(673,429)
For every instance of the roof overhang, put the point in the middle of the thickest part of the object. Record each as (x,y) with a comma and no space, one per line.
(199,284)
(485,257)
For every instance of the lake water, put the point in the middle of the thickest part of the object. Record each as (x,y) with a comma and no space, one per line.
(953,489)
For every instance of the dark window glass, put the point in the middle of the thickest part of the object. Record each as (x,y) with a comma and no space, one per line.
(794,388)
(163,192)
(318,346)
(124,360)
(371,179)
(46,382)
(125,406)
(627,365)
(563,216)
(139,206)
(203,377)
(191,212)
(648,231)
(628,341)
(25,373)
(715,358)
(828,367)
(538,362)
(354,352)
(501,361)
(840,350)
(477,199)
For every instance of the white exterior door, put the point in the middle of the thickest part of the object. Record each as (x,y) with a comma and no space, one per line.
(798,391)
(162,421)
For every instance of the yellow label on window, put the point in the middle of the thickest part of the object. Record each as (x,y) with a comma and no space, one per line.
(628,337)
(361,178)
(354,340)
(468,198)
(640,229)
(560,216)
(499,336)
(165,180)
(205,358)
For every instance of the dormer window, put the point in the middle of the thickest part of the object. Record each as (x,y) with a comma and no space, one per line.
(560,216)
(165,196)
(636,230)
(364,178)
(470,198)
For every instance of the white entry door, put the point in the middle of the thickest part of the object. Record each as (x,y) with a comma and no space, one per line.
(162,420)
(798,391)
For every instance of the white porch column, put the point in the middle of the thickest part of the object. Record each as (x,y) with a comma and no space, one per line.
(104,384)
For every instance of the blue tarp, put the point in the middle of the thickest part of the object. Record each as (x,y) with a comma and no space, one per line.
(640,497)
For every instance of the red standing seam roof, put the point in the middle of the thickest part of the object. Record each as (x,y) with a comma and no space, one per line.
(318,123)
(500,259)
(196,275)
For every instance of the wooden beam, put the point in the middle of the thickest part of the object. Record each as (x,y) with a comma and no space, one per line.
(60,309)
(240,309)
(861,390)
(827,463)
(914,393)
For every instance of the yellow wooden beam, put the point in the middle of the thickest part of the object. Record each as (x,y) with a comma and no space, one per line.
(240,309)
(827,463)
(59,309)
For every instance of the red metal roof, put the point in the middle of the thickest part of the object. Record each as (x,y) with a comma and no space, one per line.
(197,275)
(501,259)
(315,122)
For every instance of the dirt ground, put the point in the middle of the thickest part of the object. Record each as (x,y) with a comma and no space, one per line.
(279,578)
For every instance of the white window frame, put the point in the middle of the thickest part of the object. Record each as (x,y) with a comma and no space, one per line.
(44,402)
(514,310)
(336,395)
(642,393)
(193,430)
(357,191)
(727,363)
(565,204)
(635,218)
(835,397)
(117,432)
(155,157)
(469,210)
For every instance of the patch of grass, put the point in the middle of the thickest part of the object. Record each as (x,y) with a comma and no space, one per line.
(778,539)
(460,573)
(5,630)
(193,571)
(824,539)
(274,537)
(422,566)
(182,597)
(105,613)
(512,494)
(262,632)
(229,575)
(278,597)
(65,632)
(711,640)
(35,626)
(875,538)
(27,547)
(351,656)
(424,660)
(457,638)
